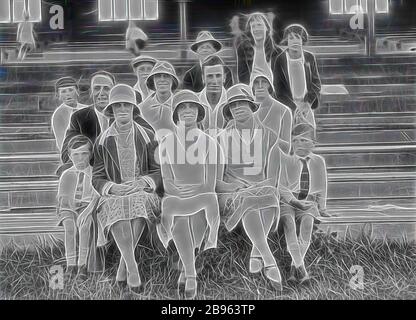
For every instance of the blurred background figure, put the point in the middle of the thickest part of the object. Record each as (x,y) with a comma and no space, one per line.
(136,39)
(25,36)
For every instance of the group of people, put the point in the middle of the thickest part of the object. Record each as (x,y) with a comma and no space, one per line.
(181,158)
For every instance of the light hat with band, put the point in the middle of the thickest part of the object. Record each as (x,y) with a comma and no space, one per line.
(121,93)
(237,93)
(187,96)
(205,36)
(296,29)
(142,59)
(162,67)
(256,74)
(66,82)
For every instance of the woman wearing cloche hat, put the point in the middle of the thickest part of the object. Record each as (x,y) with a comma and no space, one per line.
(189,168)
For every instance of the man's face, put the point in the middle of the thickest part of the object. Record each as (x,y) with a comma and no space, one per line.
(241,111)
(80,157)
(101,94)
(188,113)
(68,95)
(261,87)
(205,49)
(214,78)
(123,113)
(143,70)
(303,144)
(163,82)
(295,42)
(258,29)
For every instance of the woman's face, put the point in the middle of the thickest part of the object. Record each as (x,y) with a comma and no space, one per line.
(294,42)
(205,49)
(143,71)
(241,111)
(261,87)
(163,82)
(258,29)
(123,113)
(188,113)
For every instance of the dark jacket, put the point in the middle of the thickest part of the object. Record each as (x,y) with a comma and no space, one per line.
(282,83)
(107,166)
(85,122)
(245,56)
(192,79)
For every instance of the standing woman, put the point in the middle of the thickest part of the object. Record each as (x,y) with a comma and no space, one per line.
(272,113)
(257,48)
(25,36)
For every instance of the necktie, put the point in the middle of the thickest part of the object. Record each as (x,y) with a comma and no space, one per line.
(79,190)
(304,180)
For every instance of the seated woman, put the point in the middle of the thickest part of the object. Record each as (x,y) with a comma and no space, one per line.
(126,175)
(77,200)
(189,170)
(247,183)
(273,114)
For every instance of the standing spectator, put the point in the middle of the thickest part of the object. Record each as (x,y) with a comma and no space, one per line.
(142,67)
(68,93)
(297,80)
(91,121)
(25,36)
(204,46)
(157,108)
(136,39)
(273,114)
(256,49)
(214,95)
(127,176)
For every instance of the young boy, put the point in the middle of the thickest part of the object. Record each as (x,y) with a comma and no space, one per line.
(76,202)
(303,189)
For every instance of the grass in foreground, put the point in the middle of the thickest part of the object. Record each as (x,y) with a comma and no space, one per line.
(389,272)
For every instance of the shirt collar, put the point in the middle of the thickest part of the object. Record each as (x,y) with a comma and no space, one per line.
(204,99)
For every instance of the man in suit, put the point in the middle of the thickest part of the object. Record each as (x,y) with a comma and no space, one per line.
(296,77)
(90,121)
(204,46)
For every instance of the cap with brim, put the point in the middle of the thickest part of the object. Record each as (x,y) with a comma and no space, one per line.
(187,96)
(260,74)
(65,82)
(237,93)
(205,36)
(121,93)
(162,67)
(297,29)
(142,59)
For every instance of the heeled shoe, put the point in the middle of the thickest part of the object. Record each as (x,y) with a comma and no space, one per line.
(191,290)
(256,265)
(272,273)
(135,285)
(304,276)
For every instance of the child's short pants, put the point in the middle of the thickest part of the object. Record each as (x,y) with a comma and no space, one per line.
(296,213)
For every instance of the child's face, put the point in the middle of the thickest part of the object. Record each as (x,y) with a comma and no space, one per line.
(80,157)
(68,95)
(303,145)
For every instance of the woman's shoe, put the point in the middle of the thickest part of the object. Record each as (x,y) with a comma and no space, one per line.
(191,288)
(273,274)
(135,284)
(256,264)
(304,276)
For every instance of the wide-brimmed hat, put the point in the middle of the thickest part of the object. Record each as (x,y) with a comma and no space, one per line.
(238,92)
(122,93)
(206,36)
(142,59)
(185,96)
(297,29)
(162,67)
(65,82)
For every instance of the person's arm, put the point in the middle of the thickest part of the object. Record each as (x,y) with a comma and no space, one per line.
(73,130)
(243,68)
(58,127)
(323,184)
(153,175)
(273,165)
(211,168)
(100,181)
(314,93)
(286,131)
